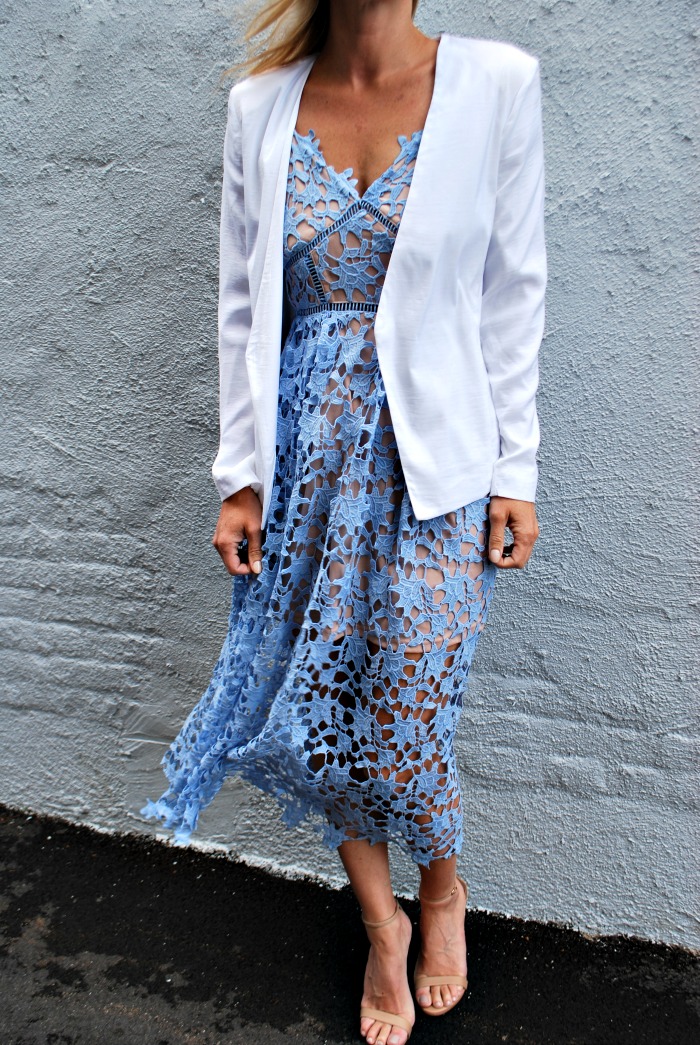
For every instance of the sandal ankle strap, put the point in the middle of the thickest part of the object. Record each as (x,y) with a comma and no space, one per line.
(444,899)
(384,921)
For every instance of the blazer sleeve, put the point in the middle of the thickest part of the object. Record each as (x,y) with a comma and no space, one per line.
(515,276)
(234,466)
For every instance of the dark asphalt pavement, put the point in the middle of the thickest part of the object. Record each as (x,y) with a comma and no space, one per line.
(122,941)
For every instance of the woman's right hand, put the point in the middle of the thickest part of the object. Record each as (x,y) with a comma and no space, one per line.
(240,516)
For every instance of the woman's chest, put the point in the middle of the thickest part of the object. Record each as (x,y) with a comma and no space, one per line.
(338,242)
(358,128)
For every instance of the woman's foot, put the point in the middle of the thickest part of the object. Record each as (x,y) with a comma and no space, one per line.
(443,949)
(386,982)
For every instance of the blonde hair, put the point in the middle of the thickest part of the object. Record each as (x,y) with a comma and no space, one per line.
(286,30)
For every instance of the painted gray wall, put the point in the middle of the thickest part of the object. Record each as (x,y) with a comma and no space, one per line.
(578,739)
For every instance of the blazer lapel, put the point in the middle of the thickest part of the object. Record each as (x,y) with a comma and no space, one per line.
(436,175)
(266,264)
(273,166)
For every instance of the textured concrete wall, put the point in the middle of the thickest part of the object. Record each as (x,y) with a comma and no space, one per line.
(578,739)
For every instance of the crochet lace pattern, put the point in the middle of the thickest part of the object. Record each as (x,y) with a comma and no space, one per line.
(340,683)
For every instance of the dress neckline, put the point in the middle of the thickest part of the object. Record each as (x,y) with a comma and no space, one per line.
(347,175)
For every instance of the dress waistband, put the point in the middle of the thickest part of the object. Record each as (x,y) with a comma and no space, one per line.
(338,306)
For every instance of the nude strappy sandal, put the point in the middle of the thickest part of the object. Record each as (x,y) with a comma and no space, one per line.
(448,979)
(379,1014)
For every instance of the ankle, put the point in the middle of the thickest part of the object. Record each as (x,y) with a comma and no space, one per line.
(437,901)
(388,949)
(388,936)
(379,923)
(443,899)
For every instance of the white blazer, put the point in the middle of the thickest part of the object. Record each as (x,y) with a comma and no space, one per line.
(461,313)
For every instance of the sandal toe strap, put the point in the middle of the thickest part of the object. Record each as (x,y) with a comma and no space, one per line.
(440,981)
(386,1017)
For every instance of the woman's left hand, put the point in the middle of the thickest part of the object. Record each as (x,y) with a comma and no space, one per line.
(521,520)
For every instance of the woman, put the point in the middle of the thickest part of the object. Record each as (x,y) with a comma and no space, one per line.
(378,434)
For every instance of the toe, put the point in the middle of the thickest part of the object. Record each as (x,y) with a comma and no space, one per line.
(447,995)
(382,1033)
(397,1037)
(437,997)
(423,997)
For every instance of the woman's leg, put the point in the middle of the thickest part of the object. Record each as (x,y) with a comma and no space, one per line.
(386,983)
(367,867)
(436,609)
(453,549)
(443,939)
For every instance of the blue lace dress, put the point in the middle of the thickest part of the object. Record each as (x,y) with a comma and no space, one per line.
(340,682)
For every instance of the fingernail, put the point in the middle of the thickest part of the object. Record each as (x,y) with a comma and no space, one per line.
(257,566)
(494,555)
